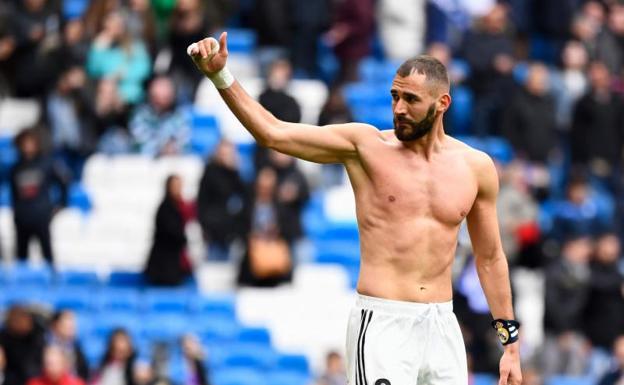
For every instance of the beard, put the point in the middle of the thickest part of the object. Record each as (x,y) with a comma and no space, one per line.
(414,130)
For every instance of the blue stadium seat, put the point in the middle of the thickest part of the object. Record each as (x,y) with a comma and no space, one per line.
(118,300)
(335,251)
(461,112)
(484,379)
(74,298)
(215,306)
(77,278)
(254,335)
(246,153)
(126,279)
(238,376)
(340,232)
(5,195)
(205,134)
(85,321)
(250,357)
(73,9)
(499,149)
(569,380)
(241,41)
(29,295)
(294,364)
(31,275)
(211,329)
(79,198)
(109,321)
(167,300)
(93,349)
(286,378)
(380,117)
(166,328)
(366,95)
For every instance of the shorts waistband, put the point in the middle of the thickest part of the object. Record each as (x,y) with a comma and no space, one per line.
(401,307)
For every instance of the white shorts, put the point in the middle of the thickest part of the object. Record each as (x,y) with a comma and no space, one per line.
(404,343)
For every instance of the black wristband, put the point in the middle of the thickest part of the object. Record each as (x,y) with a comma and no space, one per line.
(506,330)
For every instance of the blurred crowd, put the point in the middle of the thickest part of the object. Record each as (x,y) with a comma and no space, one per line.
(547,76)
(37,348)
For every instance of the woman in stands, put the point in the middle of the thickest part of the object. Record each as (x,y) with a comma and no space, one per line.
(168,263)
(118,362)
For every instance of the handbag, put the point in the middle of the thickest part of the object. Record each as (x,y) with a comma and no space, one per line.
(269,257)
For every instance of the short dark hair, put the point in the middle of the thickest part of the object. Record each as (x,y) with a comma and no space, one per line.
(429,66)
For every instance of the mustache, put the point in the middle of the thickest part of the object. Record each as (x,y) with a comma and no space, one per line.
(403,119)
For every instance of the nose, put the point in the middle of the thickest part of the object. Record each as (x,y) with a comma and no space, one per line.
(400,107)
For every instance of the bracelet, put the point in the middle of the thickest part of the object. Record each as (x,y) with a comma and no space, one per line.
(506,330)
(222,79)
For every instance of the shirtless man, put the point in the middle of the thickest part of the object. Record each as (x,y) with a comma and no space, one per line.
(413,186)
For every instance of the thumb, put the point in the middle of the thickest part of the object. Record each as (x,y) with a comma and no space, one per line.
(223,43)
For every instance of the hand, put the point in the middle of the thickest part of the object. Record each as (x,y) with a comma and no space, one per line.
(510,372)
(204,56)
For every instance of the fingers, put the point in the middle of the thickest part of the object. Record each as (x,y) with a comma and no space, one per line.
(504,376)
(223,43)
(204,51)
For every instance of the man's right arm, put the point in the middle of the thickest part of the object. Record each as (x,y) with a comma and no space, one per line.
(327,144)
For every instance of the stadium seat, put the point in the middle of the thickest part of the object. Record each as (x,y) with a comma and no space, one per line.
(79,198)
(5,195)
(93,349)
(215,306)
(205,134)
(167,328)
(341,252)
(246,152)
(126,279)
(74,298)
(286,378)
(73,9)
(364,95)
(569,380)
(167,300)
(118,300)
(251,357)
(77,278)
(29,295)
(340,232)
(238,376)
(293,363)
(484,379)
(461,113)
(380,116)
(215,329)
(254,335)
(241,41)
(31,275)
(103,326)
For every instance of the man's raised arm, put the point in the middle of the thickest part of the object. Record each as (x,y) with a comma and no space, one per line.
(327,144)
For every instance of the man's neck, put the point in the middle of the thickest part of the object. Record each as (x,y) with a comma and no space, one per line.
(430,143)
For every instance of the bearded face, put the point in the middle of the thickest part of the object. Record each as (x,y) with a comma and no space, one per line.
(407,130)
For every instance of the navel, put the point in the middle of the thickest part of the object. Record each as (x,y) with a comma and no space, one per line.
(391,198)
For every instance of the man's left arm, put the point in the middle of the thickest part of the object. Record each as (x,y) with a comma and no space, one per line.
(491,261)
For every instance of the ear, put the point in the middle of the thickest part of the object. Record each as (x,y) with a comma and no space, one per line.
(444,102)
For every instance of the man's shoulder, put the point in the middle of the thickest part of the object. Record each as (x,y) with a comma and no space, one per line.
(482,165)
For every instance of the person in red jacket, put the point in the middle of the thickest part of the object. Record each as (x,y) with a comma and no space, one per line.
(55,369)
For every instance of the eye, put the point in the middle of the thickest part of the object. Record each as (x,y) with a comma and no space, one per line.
(395,97)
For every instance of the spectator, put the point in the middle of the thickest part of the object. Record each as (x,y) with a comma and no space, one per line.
(579,213)
(143,374)
(616,376)
(529,120)
(194,358)
(141,22)
(351,35)
(7,48)
(96,14)
(552,20)
(32,179)
(268,259)
(22,339)
(402,28)
(74,46)
(292,193)
(118,361)
(271,20)
(308,20)
(604,314)
(489,53)
(518,214)
(334,373)
(160,127)
(70,114)
(111,117)
(597,131)
(2,365)
(114,54)
(36,33)
(223,202)
(62,334)
(55,369)
(168,263)
(277,101)
(567,290)
(189,23)
(570,83)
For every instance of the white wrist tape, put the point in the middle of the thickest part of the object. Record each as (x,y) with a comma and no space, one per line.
(222,79)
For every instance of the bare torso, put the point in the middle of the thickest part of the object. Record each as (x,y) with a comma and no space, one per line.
(409,210)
